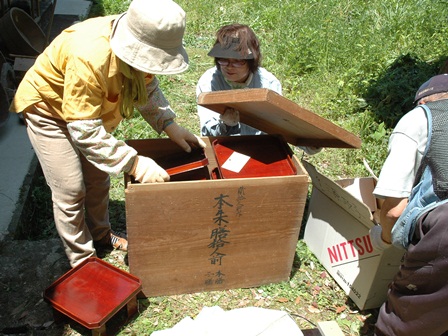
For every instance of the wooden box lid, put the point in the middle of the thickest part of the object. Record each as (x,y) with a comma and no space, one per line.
(272,113)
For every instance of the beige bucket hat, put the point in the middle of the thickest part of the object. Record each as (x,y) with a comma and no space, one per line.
(149,36)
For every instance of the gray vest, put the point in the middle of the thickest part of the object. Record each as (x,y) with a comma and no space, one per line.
(431,182)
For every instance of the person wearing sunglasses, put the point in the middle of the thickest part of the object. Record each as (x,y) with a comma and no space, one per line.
(237,59)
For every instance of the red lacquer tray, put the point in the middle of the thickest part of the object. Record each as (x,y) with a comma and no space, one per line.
(187,167)
(181,165)
(266,155)
(92,292)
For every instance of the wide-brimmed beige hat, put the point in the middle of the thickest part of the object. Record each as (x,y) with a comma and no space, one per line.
(149,36)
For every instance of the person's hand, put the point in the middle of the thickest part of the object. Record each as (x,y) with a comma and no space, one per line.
(375,237)
(230,117)
(146,170)
(183,137)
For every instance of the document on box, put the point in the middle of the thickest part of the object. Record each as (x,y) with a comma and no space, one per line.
(236,162)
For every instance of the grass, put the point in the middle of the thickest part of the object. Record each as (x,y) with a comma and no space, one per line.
(355,63)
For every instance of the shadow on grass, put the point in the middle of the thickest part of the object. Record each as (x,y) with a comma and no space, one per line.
(391,95)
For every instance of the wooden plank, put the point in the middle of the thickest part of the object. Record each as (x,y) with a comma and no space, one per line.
(272,113)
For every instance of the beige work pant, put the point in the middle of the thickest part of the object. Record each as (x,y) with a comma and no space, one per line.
(80,191)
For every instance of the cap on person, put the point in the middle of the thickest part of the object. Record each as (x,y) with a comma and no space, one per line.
(149,36)
(230,50)
(436,84)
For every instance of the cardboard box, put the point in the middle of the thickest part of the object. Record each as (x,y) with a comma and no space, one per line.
(337,232)
(212,232)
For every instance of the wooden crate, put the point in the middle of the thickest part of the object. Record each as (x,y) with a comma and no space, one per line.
(209,233)
(203,235)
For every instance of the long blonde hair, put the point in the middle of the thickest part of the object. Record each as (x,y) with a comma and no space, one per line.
(133,91)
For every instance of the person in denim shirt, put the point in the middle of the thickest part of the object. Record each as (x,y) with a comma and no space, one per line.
(417,297)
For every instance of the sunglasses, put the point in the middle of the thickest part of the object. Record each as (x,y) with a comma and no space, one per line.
(235,63)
